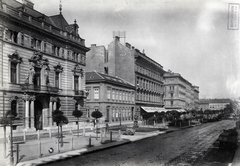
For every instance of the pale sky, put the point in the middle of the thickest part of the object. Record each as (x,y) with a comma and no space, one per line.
(189,37)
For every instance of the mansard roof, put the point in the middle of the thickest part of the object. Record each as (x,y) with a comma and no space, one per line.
(56,20)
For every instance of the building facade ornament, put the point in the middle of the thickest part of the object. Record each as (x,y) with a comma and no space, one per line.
(26,97)
(53,99)
(58,68)
(15,58)
(78,70)
(37,60)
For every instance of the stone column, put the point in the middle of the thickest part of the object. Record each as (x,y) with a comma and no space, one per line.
(32,98)
(54,105)
(50,111)
(26,98)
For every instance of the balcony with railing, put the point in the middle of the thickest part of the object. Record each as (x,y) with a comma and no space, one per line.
(39,89)
(78,94)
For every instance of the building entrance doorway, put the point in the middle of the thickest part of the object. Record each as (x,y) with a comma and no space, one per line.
(38,115)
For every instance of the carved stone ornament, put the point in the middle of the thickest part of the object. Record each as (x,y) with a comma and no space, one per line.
(78,70)
(58,68)
(15,58)
(12,98)
(37,60)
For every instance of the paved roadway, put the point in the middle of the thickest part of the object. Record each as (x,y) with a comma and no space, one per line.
(186,147)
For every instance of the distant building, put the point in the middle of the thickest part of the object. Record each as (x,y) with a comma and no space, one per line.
(42,65)
(128,63)
(213,104)
(111,95)
(180,93)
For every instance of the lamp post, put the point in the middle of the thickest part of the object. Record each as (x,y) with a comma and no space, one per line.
(11,139)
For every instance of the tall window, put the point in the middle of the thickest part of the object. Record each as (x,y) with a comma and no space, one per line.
(116,94)
(96,93)
(37,77)
(13,72)
(57,79)
(120,95)
(76,82)
(109,94)
(14,107)
(45,47)
(113,94)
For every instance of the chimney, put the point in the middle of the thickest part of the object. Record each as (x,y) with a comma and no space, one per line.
(128,45)
(28,3)
(116,38)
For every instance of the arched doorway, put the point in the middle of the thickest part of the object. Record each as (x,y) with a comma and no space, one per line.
(38,115)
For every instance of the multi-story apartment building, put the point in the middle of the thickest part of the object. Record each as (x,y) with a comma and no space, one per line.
(111,95)
(42,65)
(128,63)
(213,104)
(180,93)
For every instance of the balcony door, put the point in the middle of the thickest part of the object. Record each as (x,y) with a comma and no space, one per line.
(37,77)
(76,83)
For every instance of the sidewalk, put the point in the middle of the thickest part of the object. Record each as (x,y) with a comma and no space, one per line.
(124,140)
(74,146)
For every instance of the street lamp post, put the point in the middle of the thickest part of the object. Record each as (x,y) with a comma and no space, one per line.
(11,139)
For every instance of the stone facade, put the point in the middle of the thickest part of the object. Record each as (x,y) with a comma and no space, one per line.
(112,96)
(42,66)
(180,93)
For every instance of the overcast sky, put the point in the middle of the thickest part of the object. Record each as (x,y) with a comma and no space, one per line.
(188,37)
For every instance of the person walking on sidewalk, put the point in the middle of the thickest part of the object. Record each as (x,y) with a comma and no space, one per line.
(107,127)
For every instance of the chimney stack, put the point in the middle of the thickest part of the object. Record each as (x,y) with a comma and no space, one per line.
(128,45)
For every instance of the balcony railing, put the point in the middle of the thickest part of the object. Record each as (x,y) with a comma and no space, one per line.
(39,89)
(79,93)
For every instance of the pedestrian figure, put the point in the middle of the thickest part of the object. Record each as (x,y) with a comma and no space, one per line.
(107,127)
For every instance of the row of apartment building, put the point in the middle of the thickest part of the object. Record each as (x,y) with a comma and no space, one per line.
(45,65)
(213,104)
